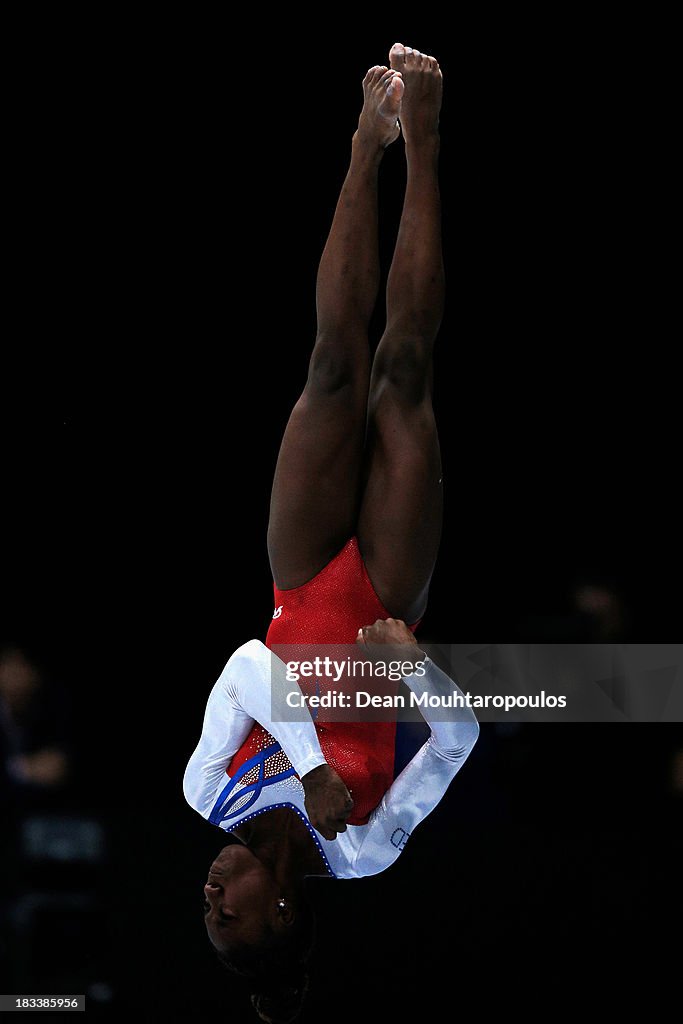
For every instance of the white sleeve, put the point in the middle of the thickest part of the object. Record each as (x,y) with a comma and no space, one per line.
(423,782)
(248,690)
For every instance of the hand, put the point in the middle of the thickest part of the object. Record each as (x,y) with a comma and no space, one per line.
(386,631)
(328,801)
(389,631)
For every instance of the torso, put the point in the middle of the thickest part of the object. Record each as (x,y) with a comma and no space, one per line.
(330,609)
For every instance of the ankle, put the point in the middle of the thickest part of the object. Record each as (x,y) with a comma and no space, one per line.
(423,153)
(427,144)
(365,143)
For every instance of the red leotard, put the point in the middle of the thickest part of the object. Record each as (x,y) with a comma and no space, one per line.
(330,609)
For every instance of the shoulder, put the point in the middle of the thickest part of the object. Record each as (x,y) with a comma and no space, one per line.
(252,660)
(256,655)
(253,650)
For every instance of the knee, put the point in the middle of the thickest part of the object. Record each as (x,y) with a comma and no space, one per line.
(403,366)
(333,367)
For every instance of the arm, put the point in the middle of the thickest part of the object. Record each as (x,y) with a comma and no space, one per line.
(250,689)
(423,782)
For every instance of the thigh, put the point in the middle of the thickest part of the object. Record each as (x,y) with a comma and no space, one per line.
(315,496)
(399,525)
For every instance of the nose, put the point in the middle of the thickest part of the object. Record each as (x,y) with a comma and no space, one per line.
(216,899)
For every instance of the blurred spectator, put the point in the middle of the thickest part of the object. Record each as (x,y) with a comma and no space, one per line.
(33,729)
(604,609)
(594,609)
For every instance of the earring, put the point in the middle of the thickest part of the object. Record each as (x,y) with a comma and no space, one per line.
(281,904)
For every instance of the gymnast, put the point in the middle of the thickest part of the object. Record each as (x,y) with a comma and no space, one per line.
(353,534)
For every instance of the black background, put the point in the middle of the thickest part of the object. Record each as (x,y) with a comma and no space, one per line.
(177,190)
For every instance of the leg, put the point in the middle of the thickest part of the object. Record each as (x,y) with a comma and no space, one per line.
(314,502)
(400,518)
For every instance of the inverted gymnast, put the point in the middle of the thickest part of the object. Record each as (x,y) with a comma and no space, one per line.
(354,529)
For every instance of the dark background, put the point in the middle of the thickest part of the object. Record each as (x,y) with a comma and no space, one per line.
(179,185)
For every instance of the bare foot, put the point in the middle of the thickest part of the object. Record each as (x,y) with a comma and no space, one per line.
(383,92)
(423,88)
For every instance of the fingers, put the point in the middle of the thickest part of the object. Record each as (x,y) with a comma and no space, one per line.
(331,830)
(381,630)
(329,827)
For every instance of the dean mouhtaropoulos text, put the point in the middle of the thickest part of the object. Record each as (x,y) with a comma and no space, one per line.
(363,699)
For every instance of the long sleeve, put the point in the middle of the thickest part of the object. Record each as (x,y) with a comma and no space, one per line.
(423,782)
(250,689)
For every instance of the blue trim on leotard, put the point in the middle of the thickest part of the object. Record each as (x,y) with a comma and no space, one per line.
(221,808)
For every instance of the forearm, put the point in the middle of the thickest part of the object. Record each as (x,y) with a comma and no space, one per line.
(454,737)
(423,782)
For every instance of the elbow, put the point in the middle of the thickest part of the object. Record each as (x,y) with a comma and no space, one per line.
(467,735)
(190,790)
(470,735)
(198,790)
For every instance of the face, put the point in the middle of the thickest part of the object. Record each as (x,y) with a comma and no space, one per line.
(240,900)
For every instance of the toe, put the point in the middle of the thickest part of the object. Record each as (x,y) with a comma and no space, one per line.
(397,55)
(395,87)
(374,73)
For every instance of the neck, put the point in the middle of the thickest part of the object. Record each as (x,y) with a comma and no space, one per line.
(281,841)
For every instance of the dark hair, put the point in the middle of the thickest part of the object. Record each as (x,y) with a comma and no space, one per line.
(276,974)
(281,1005)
